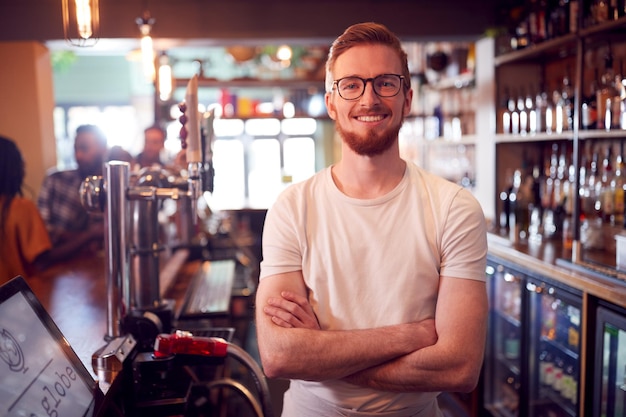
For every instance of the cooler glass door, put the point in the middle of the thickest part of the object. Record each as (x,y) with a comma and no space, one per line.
(610,394)
(554,354)
(503,367)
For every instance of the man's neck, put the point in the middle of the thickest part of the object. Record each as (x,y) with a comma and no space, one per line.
(365,177)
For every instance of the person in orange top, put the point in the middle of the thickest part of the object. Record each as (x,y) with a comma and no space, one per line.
(24,241)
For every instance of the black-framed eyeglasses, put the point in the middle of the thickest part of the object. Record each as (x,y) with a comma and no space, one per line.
(385,85)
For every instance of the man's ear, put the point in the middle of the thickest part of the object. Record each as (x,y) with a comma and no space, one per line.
(330,106)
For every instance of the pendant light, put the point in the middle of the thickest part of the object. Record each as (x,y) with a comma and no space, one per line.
(81,22)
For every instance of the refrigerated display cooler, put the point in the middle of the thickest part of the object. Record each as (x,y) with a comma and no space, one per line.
(610,362)
(532,366)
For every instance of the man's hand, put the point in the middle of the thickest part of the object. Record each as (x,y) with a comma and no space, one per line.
(291,310)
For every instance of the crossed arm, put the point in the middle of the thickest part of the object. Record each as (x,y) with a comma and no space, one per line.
(431,355)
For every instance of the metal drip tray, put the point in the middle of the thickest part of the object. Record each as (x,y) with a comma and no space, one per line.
(596,270)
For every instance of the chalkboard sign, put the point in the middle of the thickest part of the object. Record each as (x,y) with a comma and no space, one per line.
(40,374)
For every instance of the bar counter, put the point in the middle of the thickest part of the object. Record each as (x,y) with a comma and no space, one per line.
(549,258)
(74,295)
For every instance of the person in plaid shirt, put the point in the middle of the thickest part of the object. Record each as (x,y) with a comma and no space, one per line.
(67,221)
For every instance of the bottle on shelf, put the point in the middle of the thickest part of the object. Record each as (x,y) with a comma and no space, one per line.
(574,8)
(606,199)
(522,113)
(541,105)
(589,108)
(599,11)
(521,203)
(559,118)
(514,115)
(567,98)
(537,30)
(531,112)
(607,93)
(591,232)
(617,185)
(548,193)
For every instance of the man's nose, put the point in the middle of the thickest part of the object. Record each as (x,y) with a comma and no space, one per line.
(368,92)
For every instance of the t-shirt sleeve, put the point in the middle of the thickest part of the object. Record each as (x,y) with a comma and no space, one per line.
(281,249)
(464,241)
(33,236)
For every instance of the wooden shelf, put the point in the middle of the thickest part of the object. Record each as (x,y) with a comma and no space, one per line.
(253,83)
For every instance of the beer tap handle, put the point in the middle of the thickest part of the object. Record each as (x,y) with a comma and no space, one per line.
(190,137)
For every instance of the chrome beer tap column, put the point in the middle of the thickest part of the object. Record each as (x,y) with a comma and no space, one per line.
(116,240)
(107,194)
(193,144)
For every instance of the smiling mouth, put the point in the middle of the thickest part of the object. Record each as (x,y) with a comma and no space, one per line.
(375,118)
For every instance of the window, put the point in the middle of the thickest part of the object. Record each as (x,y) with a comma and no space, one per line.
(254,160)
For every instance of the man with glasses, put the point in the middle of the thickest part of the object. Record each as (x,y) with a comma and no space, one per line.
(372,294)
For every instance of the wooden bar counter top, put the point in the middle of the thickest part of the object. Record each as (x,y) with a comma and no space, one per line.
(74,295)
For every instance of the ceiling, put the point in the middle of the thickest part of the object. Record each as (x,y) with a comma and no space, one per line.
(192,23)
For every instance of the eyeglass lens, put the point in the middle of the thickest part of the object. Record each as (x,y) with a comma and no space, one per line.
(385,85)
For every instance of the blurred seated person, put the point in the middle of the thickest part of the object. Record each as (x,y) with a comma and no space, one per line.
(24,241)
(25,246)
(59,199)
(117,153)
(154,143)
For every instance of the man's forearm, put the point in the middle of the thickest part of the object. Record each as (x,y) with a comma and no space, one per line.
(320,355)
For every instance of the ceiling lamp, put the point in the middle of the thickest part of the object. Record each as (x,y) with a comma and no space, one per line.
(147,51)
(165,78)
(81,22)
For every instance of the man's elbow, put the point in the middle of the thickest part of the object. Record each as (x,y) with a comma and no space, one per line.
(273,364)
(466,378)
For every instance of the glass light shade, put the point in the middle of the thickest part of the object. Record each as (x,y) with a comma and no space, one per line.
(165,80)
(147,57)
(81,22)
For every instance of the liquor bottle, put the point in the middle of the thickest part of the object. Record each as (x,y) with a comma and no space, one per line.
(615,103)
(567,97)
(550,113)
(531,112)
(547,192)
(512,106)
(589,184)
(617,184)
(541,105)
(557,381)
(522,113)
(573,15)
(559,115)
(537,21)
(589,108)
(599,11)
(505,194)
(607,198)
(505,116)
(560,191)
(622,92)
(606,93)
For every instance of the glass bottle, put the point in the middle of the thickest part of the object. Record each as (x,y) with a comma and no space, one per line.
(567,97)
(541,105)
(617,186)
(607,91)
(607,198)
(589,108)
(522,113)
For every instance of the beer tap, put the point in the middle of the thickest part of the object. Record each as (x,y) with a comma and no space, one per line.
(135,310)
(190,138)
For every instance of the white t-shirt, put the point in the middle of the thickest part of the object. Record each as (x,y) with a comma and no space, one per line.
(372,263)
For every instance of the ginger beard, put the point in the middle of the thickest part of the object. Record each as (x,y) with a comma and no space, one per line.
(373,143)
